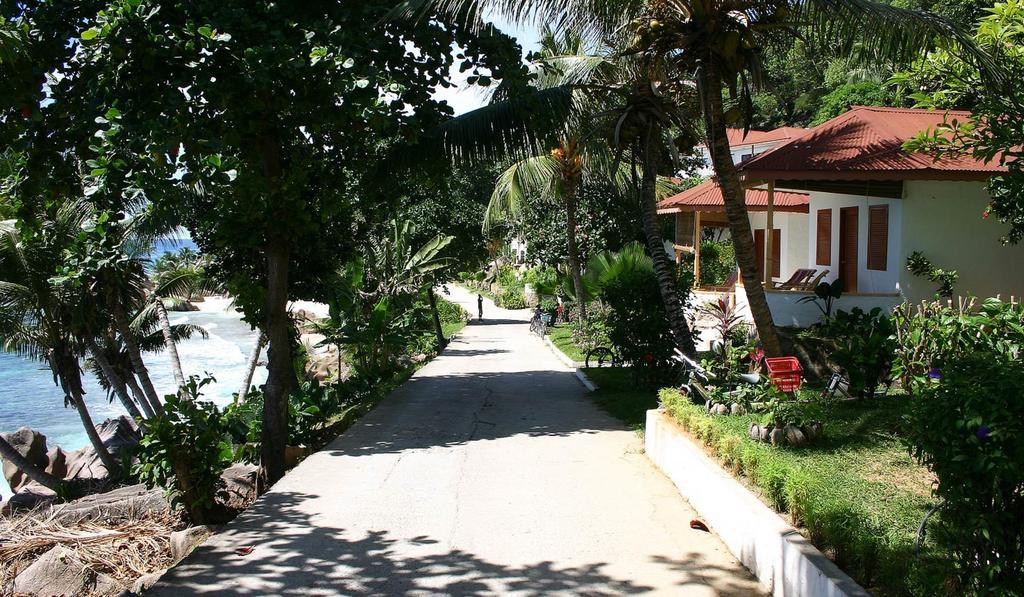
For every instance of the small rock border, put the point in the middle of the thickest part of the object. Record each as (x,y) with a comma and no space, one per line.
(789,435)
(725,409)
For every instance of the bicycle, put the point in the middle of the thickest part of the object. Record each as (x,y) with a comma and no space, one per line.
(541,325)
(695,377)
(602,356)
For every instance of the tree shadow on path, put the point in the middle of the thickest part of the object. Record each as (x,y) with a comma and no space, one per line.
(293,554)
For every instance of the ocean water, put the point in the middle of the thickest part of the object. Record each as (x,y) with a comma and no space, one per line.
(28,396)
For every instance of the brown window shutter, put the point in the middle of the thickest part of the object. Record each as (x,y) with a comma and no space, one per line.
(776,252)
(759,251)
(878,237)
(824,256)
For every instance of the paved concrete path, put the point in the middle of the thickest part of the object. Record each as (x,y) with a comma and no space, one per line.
(489,472)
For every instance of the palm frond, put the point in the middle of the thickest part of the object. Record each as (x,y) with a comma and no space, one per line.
(524,179)
(871,32)
(511,129)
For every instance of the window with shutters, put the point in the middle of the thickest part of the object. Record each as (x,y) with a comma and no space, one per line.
(878,237)
(824,252)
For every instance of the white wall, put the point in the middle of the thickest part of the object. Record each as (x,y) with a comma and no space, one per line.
(868,281)
(737,151)
(793,230)
(944,221)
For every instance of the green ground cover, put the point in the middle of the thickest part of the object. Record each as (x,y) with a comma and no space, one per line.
(856,493)
(561,336)
(620,396)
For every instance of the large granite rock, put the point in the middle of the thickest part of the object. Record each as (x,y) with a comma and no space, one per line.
(185,540)
(60,572)
(30,444)
(57,462)
(29,496)
(240,486)
(124,501)
(117,435)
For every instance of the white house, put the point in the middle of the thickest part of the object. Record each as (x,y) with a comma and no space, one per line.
(845,200)
(745,146)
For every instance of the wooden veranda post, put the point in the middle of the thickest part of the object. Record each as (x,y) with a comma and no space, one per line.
(696,249)
(769,227)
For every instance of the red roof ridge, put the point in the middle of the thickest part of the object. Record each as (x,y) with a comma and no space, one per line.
(867,141)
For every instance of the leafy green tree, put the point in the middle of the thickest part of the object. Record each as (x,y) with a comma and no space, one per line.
(993,132)
(257,128)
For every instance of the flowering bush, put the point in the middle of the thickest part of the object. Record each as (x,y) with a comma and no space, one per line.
(968,428)
(963,366)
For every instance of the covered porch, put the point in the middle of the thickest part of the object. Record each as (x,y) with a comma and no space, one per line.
(782,252)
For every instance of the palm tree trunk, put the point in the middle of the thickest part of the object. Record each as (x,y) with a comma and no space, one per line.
(10,454)
(250,367)
(736,209)
(281,373)
(113,379)
(140,396)
(171,346)
(575,270)
(136,357)
(438,330)
(656,247)
(71,380)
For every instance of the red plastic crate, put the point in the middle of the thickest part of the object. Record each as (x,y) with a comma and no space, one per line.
(785,373)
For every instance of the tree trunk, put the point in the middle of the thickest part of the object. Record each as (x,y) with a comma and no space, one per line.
(9,454)
(136,356)
(114,380)
(438,330)
(281,373)
(250,367)
(736,210)
(71,380)
(663,268)
(169,344)
(575,269)
(140,396)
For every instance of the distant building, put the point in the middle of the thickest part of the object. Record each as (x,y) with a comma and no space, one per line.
(845,201)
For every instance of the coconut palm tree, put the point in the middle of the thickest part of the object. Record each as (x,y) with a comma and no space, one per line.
(716,45)
(179,279)
(39,316)
(558,132)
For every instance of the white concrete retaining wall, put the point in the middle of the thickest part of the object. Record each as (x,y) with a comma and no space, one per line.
(781,558)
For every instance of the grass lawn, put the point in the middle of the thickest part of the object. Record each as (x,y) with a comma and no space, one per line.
(561,336)
(856,493)
(619,396)
(450,329)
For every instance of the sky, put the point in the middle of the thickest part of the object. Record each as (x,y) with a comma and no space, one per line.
(463,98)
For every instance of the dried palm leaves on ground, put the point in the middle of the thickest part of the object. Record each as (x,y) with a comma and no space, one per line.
(134,544)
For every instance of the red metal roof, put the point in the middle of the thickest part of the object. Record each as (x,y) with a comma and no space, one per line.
(736,136)
(707,196)
(866,143)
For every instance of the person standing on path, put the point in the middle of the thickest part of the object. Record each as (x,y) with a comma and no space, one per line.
(479,306)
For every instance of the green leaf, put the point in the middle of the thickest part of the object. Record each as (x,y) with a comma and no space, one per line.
(205,31)
(90,34)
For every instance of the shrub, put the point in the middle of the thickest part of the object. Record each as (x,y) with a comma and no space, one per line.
(637,324)
(862,344)
(968,428)
(921,266)
(508,278)
(310,409)
(512,298)
(931,335)
(717,262)
(542,278)
(449,312)
(185,450)
(593,332)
